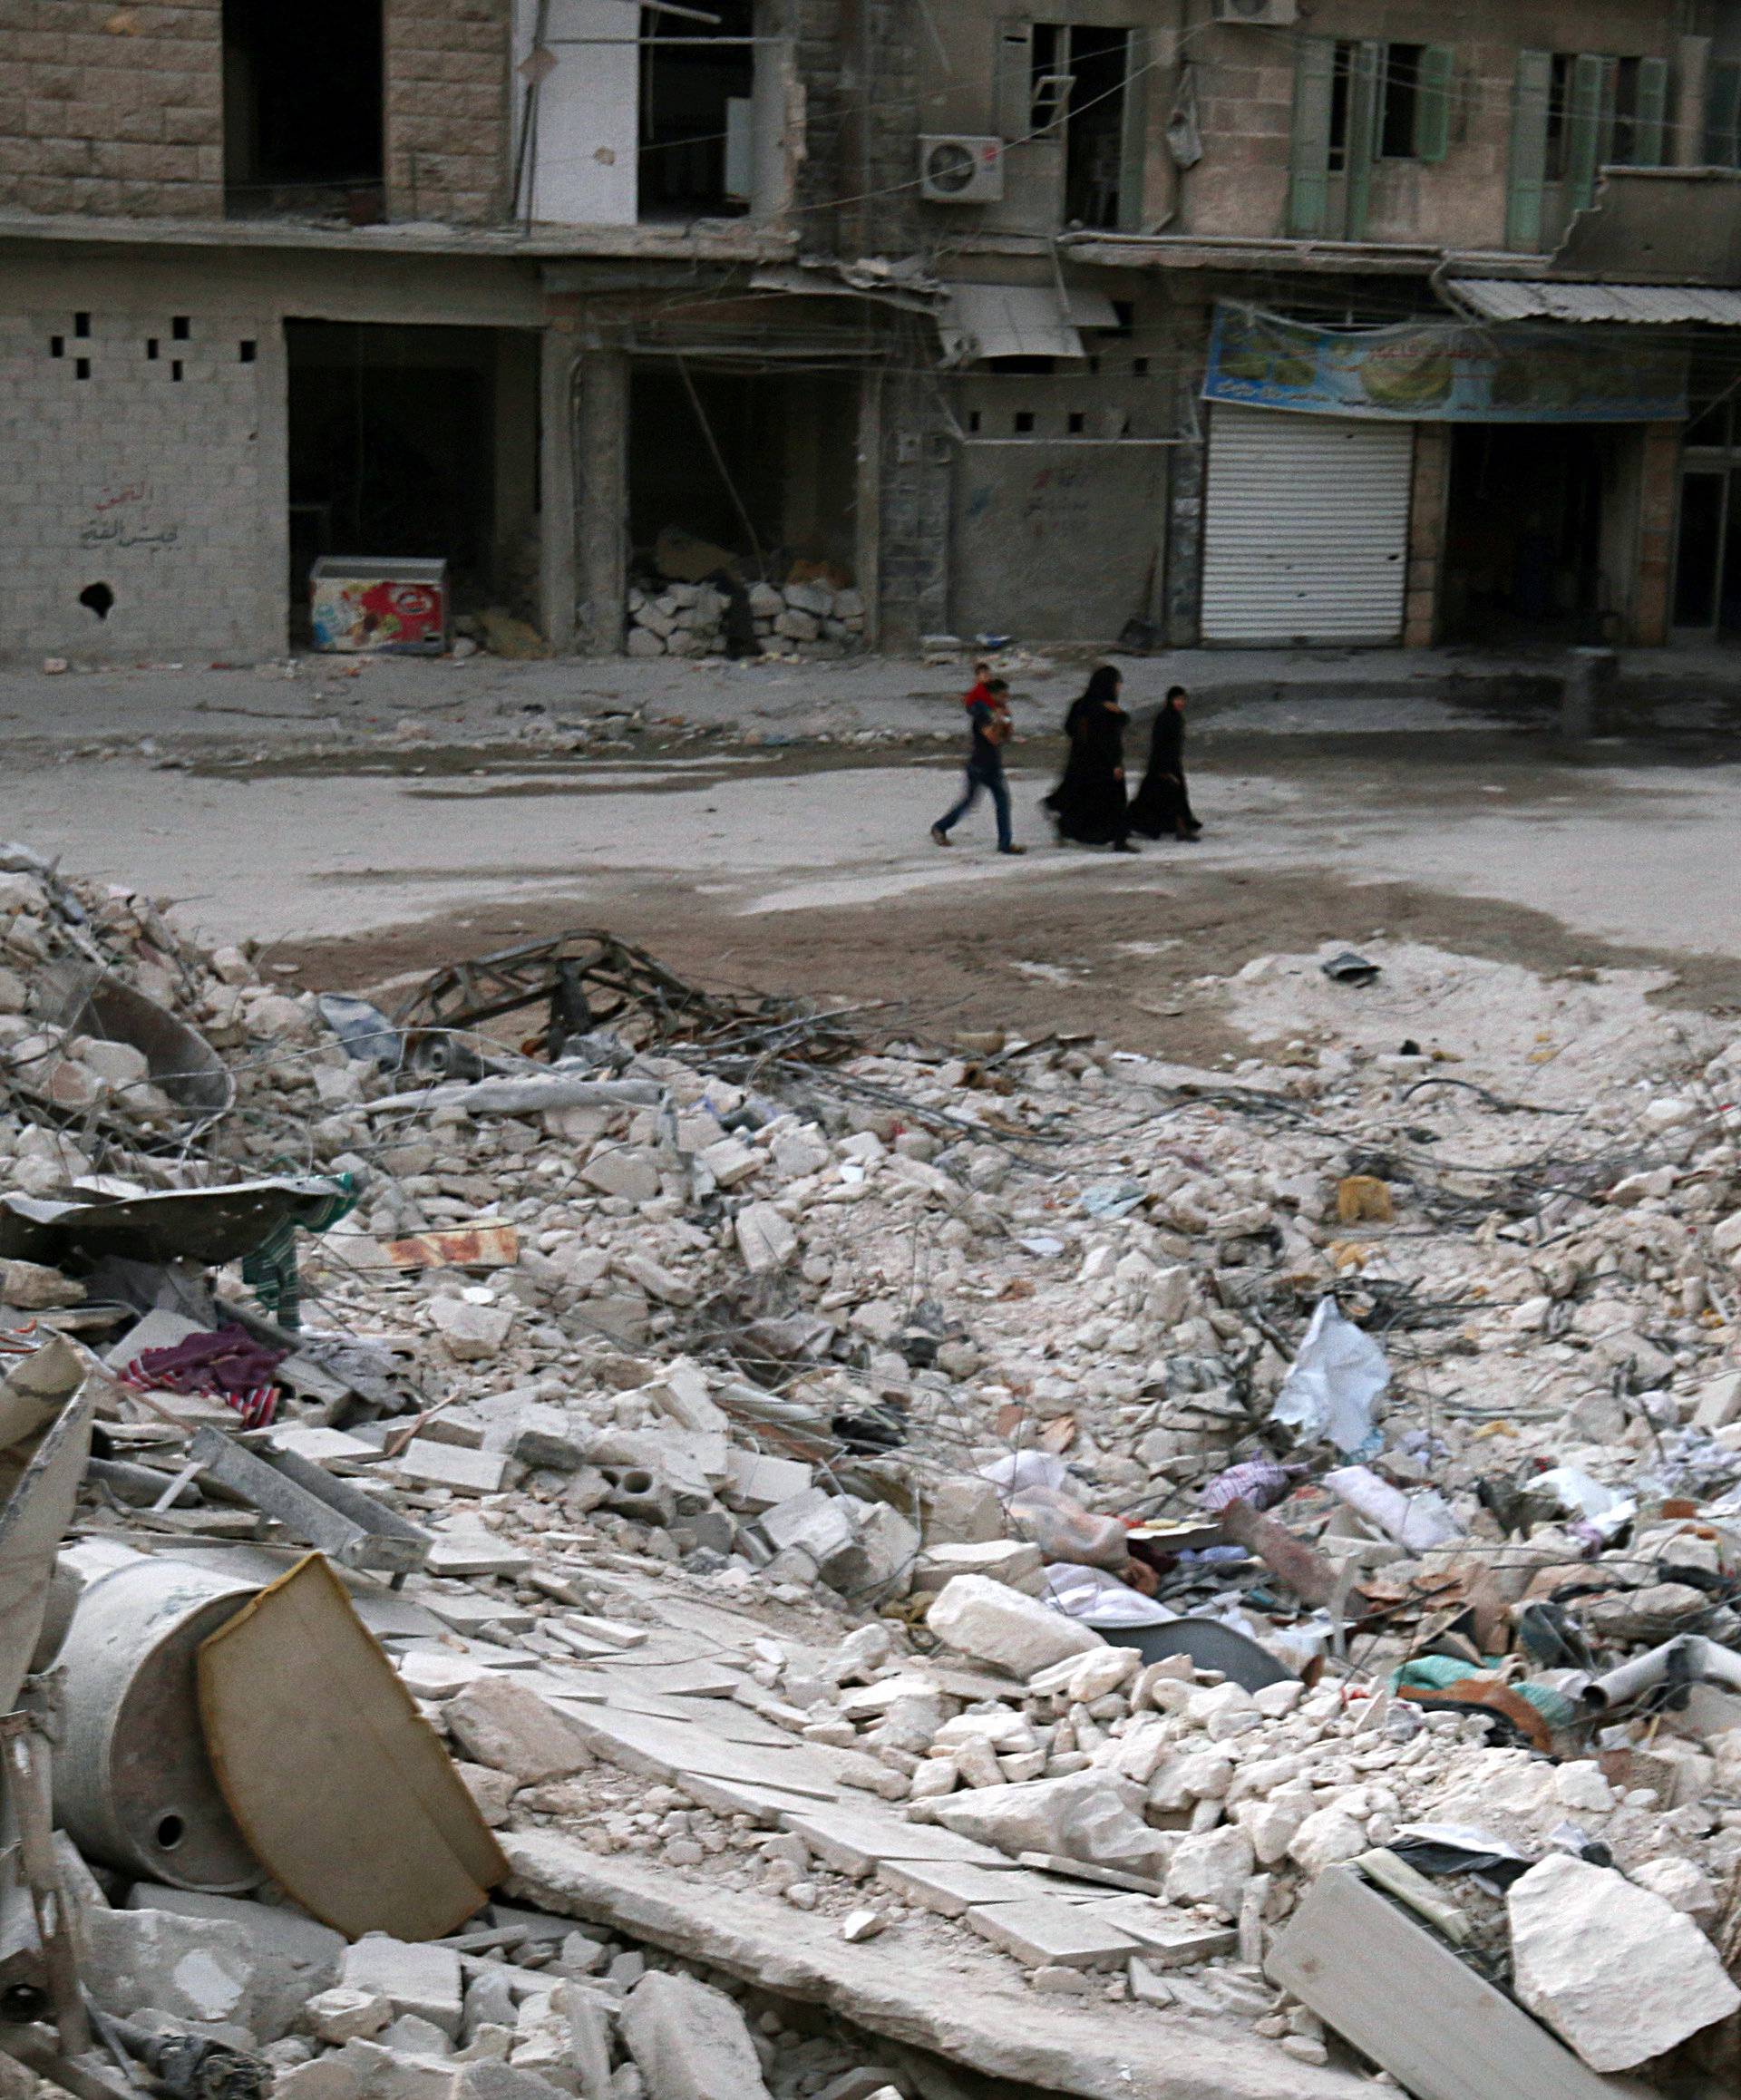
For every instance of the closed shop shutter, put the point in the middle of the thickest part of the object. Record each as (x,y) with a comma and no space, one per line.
(1305,527)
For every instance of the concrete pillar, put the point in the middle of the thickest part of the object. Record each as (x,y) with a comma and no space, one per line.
(602,506)
(866,560)
(556,518)
(1687,140)
(1428,495)
(1659,496)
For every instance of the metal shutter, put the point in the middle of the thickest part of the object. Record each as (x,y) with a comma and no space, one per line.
(1305,527)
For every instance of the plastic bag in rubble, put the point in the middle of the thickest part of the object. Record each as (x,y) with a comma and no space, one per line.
(1604,1508)
(1063,1531)
(1417,1519)
(1338,1378)
(1100,1599)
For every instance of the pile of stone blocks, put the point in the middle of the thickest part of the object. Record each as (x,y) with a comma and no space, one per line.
(689,619)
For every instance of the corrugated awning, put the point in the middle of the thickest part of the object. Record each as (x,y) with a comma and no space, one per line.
(1648,306)
(986,321)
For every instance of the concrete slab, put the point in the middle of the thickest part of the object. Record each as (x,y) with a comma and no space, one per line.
(670,1750)
(1169,1937)
(976,2010)
(1045,1932)
(855,1840)
(953,1887)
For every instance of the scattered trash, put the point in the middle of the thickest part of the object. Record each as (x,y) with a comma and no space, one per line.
(1348,968)
(1338,1378)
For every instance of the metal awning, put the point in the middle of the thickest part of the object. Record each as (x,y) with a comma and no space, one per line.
(984,321)
(1648,306)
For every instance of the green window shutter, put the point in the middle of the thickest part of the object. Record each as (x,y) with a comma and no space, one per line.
(1433,94)
(1589,102)
(1650,124)
(1133,153)
(1723,114)
(1529,149)
(1366,99)
(1308,192)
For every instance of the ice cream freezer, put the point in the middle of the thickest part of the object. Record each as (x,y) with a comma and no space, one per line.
(366,604)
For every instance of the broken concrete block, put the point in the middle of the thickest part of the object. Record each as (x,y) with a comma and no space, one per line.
(962,1510)
(546,1437)
(729,1161)
(997,1625)
(345,2014)
(682,1392)
(1621,1974)
(411,2035)
(815,1521)
(289,1956)
(423,1979)
(765,1239)
(1011,1562)
(471,1333)
(1047,1930)
(426,1462)
(1212,1867)
(690,2042)
(493,1792)
(755,1482)
(507,1726)
(194,1968)
(657,1280)
(631,1171)
(1086,1815)
(32,1288)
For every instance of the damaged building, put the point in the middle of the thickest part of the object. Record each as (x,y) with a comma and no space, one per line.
(779,323)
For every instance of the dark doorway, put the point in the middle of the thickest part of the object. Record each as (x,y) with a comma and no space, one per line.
(697,88)
(782,487)
(415,441)
(303,108)
(1525,553)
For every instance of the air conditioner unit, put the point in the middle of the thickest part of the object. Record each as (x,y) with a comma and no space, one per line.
(961,171)
(1267,13)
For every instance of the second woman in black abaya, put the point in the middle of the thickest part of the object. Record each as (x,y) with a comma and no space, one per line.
(1088,804)
(1161,805)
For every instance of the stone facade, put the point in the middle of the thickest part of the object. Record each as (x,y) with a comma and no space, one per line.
(448,119)
(109,110)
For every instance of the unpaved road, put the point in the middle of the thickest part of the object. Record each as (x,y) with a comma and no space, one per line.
(810,870)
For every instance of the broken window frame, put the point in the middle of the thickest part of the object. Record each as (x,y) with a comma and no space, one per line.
(1036,98)
(1574,114)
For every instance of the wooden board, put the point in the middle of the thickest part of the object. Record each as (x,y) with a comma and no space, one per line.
(341,1787)
(1393,1989)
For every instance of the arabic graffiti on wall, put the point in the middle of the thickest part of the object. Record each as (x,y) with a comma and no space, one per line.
(122,515)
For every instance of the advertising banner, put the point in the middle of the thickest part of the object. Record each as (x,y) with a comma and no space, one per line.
(1443,371)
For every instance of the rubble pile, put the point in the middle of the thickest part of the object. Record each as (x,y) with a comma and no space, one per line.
(1158,1547)
(811,621)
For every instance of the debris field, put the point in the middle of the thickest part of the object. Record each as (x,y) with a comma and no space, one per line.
(583,1535)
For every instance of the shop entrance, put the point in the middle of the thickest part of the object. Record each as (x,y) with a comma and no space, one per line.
(415,441)
(1537,546)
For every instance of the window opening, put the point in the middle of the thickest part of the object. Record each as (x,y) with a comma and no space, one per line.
(151,349)
(1140,367)
(973,420)
(1078,422)
(1399,123)
(303,126)
(180,328)
(175,368)
(1095,134)
(245,349)
(81,324)
(1023,421)
(1341,80)
(99,599)
(697,151)
(57,346)
(81,368)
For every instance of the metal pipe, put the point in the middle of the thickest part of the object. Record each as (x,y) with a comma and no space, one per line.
(1702,1658)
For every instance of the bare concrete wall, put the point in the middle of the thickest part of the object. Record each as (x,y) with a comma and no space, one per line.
(173,490)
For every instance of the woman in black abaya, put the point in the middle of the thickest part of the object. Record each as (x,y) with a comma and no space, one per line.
(1088,804)
(1161,806)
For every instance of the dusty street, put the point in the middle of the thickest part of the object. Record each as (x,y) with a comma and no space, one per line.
(769,829)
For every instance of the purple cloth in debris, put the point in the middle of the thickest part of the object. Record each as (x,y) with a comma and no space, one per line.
(1261,1482)
(228,1360)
